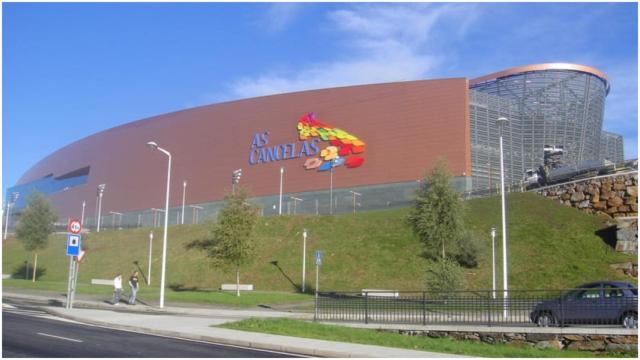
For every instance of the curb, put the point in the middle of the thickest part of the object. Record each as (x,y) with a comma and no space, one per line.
(84,305)
(141,309)
(314,352)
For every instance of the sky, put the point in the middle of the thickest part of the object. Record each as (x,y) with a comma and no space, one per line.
(70,70)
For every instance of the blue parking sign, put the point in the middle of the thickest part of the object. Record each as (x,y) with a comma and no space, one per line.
(318,257)
(73,245)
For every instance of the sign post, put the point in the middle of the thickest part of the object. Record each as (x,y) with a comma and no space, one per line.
(73,251)
(318,263)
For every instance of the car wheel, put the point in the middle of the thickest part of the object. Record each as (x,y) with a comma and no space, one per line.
(630,320)
(546,320)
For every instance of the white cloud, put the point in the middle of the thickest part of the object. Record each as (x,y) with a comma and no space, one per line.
(280,15)
(383,43)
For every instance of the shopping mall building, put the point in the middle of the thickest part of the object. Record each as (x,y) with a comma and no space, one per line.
(355,147)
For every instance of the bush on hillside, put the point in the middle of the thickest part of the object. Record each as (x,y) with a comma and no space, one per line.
(467,250)
(444,275)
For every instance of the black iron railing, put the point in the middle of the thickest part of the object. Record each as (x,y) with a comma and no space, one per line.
(585,306)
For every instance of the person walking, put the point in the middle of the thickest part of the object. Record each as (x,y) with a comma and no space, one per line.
(133,283)
(117,289)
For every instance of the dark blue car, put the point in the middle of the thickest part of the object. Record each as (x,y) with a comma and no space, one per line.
(597,303)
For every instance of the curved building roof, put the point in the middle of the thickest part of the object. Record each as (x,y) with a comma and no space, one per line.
(541,67)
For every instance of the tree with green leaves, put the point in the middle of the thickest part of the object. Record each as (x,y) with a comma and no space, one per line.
(231,241)
(444,276)
(36,223)
(437,218)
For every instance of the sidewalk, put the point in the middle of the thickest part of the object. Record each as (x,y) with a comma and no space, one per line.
(195,323)
(56,300)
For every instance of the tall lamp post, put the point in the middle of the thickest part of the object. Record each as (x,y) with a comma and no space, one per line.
(150,247)
(493,260)
(280,206)
(84,203)
(304,257)
(154,146)
(184,192)
(100,192)
(502,121)
(10,203)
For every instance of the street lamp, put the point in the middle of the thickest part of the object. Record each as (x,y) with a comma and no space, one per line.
(493,262)
(304,257)
(10,204)
(502,121)
(150,247)
(100,192)
(235,179)
(295,203)
(154,146)
(84,203)
(280,206)
(184,192)
(354,199)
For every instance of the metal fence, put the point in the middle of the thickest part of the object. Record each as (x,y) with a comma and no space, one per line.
(584,306)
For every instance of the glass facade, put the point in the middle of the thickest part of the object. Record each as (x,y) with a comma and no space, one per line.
(484,110)
(557,108)
(49,185)
(611,147)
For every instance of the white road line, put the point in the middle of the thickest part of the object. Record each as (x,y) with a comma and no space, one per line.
(59,337)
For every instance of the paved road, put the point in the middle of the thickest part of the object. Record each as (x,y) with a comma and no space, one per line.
(29,332)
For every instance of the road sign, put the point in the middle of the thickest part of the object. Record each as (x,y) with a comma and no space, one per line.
(81,255)
(74,226)
(318,257)
(73,245)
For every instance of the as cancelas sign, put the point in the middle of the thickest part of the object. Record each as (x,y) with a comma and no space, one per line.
(342,147)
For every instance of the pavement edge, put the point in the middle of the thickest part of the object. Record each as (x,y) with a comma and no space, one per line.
(314,352)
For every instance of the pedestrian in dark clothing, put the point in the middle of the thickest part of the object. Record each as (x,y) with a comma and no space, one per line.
(133,283)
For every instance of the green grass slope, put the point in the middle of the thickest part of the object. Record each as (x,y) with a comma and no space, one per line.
(550,246)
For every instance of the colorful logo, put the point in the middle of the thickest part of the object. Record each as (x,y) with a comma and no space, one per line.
(342,145)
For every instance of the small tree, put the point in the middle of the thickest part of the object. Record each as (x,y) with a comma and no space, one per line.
(438,213)
(231,241)
(35,224)
(445,275)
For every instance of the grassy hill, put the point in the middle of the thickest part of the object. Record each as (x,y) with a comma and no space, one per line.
(550,246)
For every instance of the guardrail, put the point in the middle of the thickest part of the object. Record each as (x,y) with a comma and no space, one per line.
(582,306)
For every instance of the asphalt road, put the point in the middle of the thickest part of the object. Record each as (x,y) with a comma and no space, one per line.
(29,332)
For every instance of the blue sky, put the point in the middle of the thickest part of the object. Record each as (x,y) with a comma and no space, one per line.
(72,69)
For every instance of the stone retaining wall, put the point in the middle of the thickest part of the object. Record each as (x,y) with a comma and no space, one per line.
(614,196)
(594,343)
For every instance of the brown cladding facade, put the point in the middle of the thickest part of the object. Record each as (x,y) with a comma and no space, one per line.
(407,127)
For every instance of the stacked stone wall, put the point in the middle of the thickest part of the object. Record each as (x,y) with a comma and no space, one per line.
(614,196)
(592,343)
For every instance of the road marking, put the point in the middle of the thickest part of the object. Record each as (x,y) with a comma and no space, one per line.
(59,337)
